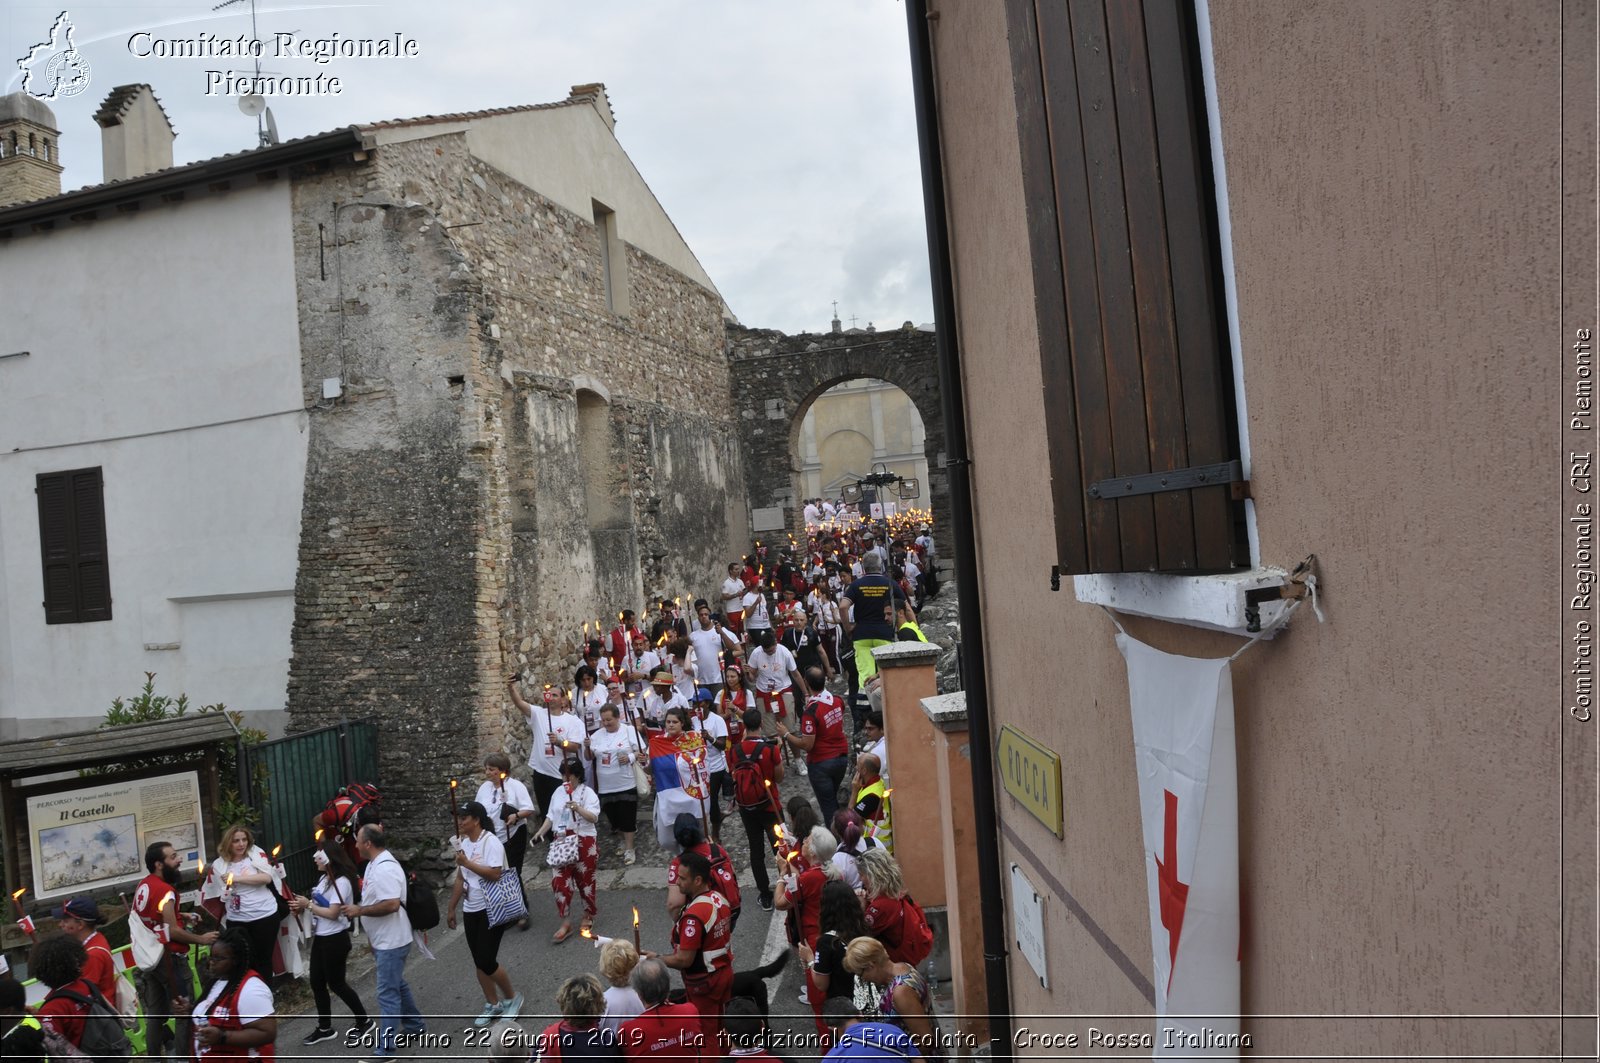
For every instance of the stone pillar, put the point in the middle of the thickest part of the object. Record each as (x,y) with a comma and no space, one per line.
(908,677)
(947,713)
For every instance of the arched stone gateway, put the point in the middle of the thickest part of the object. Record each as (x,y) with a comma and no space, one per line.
(775,378)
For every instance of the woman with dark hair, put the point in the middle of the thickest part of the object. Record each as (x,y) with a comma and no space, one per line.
(510,806)
(482,860)
(330,942)
(841,923)
(847,828)
(57,960)
(237,1019)
(588,697)
(684,790)
(733,699)
(574,810)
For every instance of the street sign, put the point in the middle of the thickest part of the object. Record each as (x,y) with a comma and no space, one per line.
(1027,916)
(1031,773)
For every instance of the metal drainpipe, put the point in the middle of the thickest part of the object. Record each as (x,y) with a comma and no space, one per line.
(991,894)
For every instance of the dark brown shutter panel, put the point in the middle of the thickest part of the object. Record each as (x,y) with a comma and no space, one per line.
(57,545)
(89,522)
(1123,242)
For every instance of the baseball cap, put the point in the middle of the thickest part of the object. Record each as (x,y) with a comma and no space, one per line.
(473,808)
(79,908)
(703,694)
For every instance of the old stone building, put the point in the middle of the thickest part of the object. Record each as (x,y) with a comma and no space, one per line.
(471,389)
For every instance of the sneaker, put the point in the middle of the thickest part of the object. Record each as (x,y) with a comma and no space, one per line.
(365,1028)
(489,1013)
(509,1009)
(629,856)
(766,902)
(319,1035)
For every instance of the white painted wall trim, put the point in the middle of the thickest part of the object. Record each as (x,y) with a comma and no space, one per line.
(1214,602)
(1230,286)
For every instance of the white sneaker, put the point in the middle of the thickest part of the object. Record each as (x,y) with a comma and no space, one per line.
(629,856)
(489,1013)
(804,997)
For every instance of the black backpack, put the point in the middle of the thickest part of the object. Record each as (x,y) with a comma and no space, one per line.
(104,1039)
(421,904)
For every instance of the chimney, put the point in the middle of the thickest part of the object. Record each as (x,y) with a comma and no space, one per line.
(135,134)
(595,93)
(30,159)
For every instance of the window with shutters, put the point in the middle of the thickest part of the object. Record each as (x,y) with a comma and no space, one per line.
(1127,276)
(72,538)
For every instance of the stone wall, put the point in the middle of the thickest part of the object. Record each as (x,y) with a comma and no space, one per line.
(775,378)
(510,458)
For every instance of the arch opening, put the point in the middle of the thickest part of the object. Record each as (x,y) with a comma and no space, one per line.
(850,428)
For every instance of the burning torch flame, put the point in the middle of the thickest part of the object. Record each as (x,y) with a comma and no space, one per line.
(583,932)
(24,889)
(636,916)
(226,882)
(168,900)
(318,835)
(276,849)
(452,784)
(887,793)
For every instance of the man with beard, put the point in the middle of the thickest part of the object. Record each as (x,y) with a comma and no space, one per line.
(161,988)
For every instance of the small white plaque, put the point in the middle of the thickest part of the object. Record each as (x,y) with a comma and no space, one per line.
(1027,908)
(769,519)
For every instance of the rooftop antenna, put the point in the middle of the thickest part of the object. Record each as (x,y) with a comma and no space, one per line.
(253,104)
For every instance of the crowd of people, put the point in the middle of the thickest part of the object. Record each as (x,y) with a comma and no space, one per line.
(703,714)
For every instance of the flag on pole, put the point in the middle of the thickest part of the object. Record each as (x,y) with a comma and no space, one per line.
(1189,800)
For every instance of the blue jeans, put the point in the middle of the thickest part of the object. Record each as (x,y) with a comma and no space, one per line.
(395,1002)
(826,777)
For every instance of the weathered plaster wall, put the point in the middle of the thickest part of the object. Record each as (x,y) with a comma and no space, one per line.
(1398,767)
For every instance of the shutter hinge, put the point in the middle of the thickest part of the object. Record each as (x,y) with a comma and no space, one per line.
(1153,483)
(1055,577)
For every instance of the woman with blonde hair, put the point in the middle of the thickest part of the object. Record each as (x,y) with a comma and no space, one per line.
(618,958)
(884,898)
(249,898)
(582,1001)
(906,999)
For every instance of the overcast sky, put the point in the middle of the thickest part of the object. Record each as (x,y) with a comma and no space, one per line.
(778,135)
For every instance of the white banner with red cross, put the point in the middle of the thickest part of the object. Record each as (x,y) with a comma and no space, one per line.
(1189,799)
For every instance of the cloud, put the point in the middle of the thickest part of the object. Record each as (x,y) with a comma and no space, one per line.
(780,138)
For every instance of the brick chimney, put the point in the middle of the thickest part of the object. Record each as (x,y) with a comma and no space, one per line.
(135,133)
(595,93)
(30,160)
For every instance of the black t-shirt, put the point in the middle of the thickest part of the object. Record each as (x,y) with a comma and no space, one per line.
(830,961)
(871,597)
(806,645)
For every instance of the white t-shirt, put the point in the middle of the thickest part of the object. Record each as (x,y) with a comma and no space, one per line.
(613,752)
(829,510)
(848,872)
(588,706)
(732,596)
(772,669)
(385,881)
(755,608)
(248,903)
(566,819)
(715,727)
(622,1004)
(646,662)
(913,570)
(708,647)
(336,891)
(880,749)
(545,753)
(494,797)
(683,675)
(487,851)
(254,1003)
(811,513)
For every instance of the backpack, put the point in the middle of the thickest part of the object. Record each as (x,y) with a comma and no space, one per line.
(126,999)
(916,936)
(421,905)
(343,809)
(727,878)
(104,1039)
(749,781)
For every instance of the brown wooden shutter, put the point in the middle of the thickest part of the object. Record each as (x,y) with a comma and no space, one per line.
(1122,235)
(72,540)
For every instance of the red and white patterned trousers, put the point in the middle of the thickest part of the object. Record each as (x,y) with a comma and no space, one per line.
(579,875)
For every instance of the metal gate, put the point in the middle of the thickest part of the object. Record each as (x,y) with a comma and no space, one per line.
(289,780)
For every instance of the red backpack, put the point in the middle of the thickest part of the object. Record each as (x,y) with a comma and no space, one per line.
(347,805)
(916,936)
(727,877)
(749,781)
